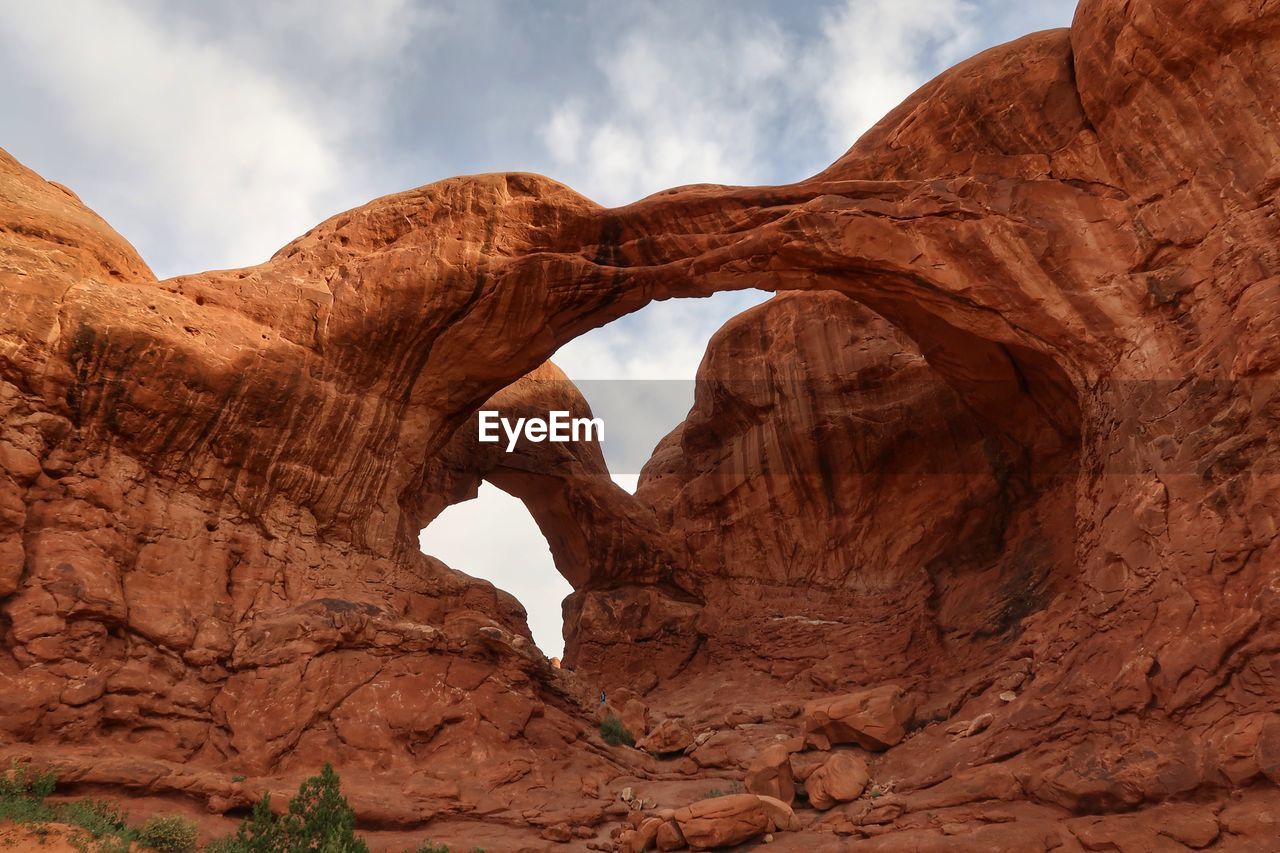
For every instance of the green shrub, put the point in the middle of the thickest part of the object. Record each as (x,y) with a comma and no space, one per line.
(97,817)
(712,793)
(17,782)
(105,826)
(262,832)
(614,733)
(24,810)
(319,819)
(430,846)
(170,834)
(22,795)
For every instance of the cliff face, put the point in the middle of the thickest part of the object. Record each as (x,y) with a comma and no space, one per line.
(1018,457)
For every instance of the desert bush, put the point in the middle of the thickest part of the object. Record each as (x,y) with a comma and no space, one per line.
(19,782)
(614,733)
(712,793)
(104,826)
(169,834)
(24,810)
(97,817)
(22,795)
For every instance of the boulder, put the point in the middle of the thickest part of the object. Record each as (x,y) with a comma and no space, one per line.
(668,737)
(670,837)
(635,717)
(841,779)
(561,833)
(722,821)
(770,774)
(874,719)
(629,842)
(723,750)
(647,832)
(782,818)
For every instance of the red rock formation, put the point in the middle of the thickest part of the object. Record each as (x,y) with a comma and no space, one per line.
(171,617)
(722,821)
(211,487)
(874,719)
(840,779)
(769,774)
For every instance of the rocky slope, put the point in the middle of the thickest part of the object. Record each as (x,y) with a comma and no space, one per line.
(1012,469)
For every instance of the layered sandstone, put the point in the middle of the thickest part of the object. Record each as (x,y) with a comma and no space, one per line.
(1018,458)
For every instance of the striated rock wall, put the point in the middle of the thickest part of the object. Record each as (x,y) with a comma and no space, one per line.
(827,471)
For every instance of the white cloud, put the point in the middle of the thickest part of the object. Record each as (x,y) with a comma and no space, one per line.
(875,53)
(217,160)
(665,340)
(341,31)
(563,131)
(681,105)
(494,537)
(690,104)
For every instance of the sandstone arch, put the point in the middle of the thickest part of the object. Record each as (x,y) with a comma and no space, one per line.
(179,552)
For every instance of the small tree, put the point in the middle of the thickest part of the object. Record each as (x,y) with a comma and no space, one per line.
(261,833)
(321,819)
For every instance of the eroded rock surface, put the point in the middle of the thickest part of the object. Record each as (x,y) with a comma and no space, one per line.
(1016,454)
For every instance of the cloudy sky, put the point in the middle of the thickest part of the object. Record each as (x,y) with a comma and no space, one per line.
(210,134)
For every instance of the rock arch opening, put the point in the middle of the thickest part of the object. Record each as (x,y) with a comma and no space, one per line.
(640,381)
(494,537)
(817,425)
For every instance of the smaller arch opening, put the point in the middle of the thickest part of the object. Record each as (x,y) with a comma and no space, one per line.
(522,530)
(494,537)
